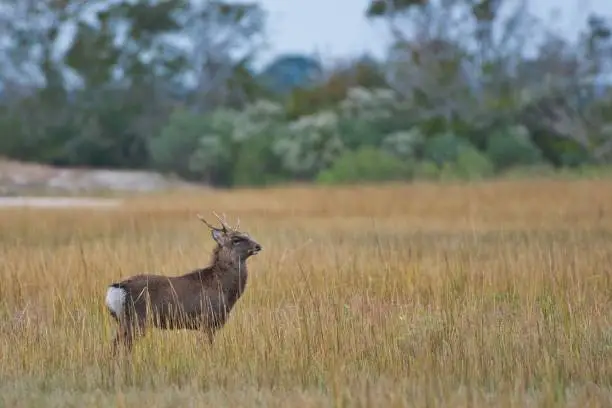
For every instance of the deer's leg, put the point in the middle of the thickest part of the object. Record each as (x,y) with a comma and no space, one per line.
(208,336)
(116,341)
(126,334)
(123,338)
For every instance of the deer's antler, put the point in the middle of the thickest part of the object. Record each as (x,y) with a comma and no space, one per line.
(222,220)
(207,223)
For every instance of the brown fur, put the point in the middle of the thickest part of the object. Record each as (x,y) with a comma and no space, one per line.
(199,300)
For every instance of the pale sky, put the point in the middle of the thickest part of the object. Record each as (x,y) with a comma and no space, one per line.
(338,28)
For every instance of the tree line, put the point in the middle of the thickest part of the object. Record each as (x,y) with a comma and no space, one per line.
(468,89)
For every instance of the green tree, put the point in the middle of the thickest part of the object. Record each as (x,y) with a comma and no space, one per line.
(359,73)
(100,100)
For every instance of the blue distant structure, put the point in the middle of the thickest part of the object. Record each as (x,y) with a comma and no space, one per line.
(288,72)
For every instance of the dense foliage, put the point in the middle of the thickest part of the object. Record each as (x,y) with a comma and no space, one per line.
(461,102)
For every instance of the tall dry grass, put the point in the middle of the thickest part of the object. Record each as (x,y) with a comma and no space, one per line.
(495,294)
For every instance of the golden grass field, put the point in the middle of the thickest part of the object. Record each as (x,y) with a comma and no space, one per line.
(492,294)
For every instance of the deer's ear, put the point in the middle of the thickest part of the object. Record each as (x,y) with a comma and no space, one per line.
(218,236)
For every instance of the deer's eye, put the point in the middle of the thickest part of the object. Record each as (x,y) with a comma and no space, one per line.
(235,240)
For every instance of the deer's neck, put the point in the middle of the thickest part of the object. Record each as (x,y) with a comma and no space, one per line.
(230,272)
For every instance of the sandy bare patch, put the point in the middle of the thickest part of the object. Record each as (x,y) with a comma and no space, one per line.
(58,202)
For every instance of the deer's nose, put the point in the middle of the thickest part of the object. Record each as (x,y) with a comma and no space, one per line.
(257,247)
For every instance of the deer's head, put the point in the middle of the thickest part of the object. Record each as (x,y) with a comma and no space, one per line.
(234,243)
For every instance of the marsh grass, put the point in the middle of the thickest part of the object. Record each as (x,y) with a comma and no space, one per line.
(493,294)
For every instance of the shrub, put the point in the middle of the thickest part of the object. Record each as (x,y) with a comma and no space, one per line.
(367,116)
(405,144)
(443,148)
(426,170)
(173,148)
(471,164)
(206,160)
(371,105)
(256,164)
(310,144)
(536,170)
(575,157)
(588,171)
(223,147)
(513,147)
(220,137)
(358,132)
(365,164)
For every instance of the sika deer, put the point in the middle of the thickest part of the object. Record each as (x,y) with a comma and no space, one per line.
(199,300)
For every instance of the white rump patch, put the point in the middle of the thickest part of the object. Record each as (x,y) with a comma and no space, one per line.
(115,300)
